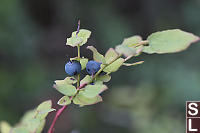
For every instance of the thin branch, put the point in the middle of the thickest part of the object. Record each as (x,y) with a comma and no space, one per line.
(79,52)
(142,43)
(58,113)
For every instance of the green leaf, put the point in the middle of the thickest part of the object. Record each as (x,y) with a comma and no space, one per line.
(91,91)
(65,86)
(110,55)
(114,66)
(74,41)
(33,121)
(125,50)
(81,100)
(20,130)
(169,41)
(87,79)
(28,116)
(41,126)
(133,64)
(33,124)
(83,62)
(46,111)
(43,109)
(65,100)
(5,127)
(132,49)
(132,41)
(66,89)
(79,39)
(96,55)
(84,34)
(67,80)
(103,78)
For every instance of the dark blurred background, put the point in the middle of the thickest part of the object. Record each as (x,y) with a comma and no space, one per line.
(146,98)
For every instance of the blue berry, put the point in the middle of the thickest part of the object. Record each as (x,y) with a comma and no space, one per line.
(72,68)
(92,67)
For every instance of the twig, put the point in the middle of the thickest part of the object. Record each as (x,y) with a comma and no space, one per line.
(58,113)
(142,43)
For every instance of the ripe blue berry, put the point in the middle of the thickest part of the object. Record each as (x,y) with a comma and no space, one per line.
(72,68)
(92,67)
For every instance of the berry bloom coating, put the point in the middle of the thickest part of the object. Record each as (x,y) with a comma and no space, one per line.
(72,68)
(92,67)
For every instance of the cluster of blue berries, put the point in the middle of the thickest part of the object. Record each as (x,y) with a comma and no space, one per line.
(74,67)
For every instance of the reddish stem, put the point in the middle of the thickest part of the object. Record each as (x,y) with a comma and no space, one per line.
(58,113)
(81,86)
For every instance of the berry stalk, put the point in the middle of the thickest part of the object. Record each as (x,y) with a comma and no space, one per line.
(79,53)
(79,56)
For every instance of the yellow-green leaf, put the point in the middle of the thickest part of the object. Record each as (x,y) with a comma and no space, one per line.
(65,100)
(84,34)
(5,127)
(125,50)
(66,89)
(41,126)
(132,41)
(91,91)
(110,55)
(28,116)
(74,41)
(103,78)
(169,41)
(33,121)
(43,109)
(83,62)
(96,55)
(81,100)
(67,80)
(33,125)
(79,39)
(65,86)
(20,130)
(87,79)
(114,66)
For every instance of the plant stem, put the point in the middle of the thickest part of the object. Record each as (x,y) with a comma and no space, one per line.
(58,113)
(142,43)
(78,80)
(79,52)
(79,57)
